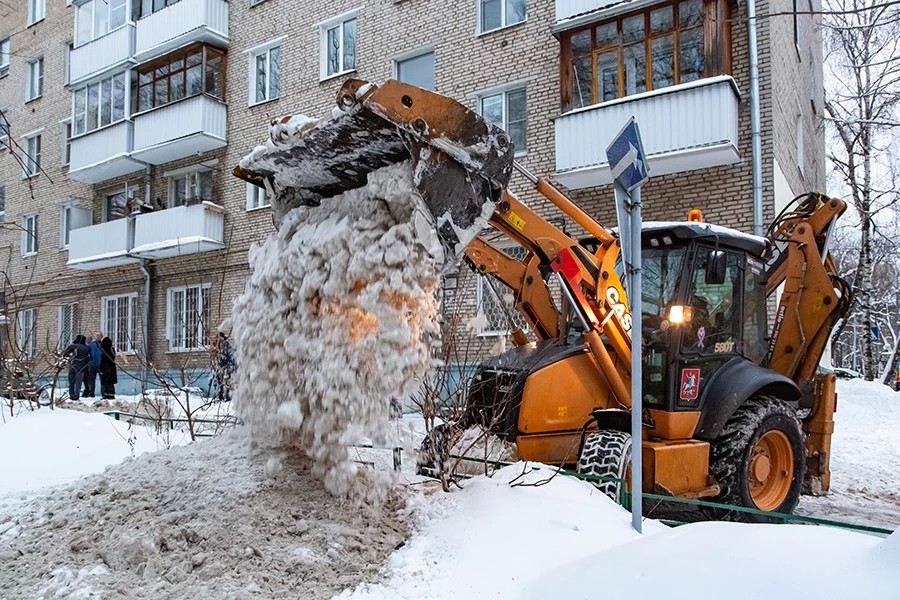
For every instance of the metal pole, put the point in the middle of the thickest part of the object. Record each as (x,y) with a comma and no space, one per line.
(634,293)
(755,127)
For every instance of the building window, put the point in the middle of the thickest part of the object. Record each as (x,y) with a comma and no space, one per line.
(117,320)
(190,188)
(257,197)
(35,79)
(148,7)
(31,162)
(495,300)
(494,14)
(68,324)
(4,56)
(417,70)
(265,74)
(67,63)
(27,333)
(2,203)
(197,70)
(29,235)
(188,317)
(118,205)
(96,18)
(37,9)
(4,131)
(65,137)
(99,104)
(337,41)
(667,45)
(507,110)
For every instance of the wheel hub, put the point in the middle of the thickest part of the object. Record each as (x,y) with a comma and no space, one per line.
(771,470)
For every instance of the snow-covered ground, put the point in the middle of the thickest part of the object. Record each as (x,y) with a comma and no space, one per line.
(209,520)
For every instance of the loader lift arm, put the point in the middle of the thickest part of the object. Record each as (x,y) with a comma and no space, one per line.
(812,301)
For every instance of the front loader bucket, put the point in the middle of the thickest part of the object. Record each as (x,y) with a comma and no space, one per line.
(461,163)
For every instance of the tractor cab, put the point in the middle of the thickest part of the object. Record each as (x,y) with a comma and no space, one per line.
(704,304)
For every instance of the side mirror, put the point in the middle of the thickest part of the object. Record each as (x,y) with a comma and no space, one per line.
(715,267)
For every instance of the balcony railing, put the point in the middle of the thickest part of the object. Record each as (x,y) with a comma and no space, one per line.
(179,24)
(107,52)
(101,246)
(179,231)
(179,129)
(572,10)
(685,127)
(103,154)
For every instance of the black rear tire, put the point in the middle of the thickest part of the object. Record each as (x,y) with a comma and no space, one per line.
(732,458)
(607,453)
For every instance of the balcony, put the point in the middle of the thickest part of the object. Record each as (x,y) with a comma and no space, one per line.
(108,52)
(179,24)
(571,13)
(683,128)
(103,154)
(179,231)
(179,129)
(101,246)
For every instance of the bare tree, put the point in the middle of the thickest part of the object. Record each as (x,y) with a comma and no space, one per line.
(862,42)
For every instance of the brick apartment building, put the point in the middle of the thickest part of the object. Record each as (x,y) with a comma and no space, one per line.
(125,118)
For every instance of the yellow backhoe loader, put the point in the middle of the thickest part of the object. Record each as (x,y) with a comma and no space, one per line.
(735,409)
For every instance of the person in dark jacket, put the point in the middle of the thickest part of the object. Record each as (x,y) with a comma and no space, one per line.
(78,365)
(223,362)
(108,379)
(90,378)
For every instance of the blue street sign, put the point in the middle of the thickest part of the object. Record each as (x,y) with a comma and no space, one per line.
(875,332)
(626,157)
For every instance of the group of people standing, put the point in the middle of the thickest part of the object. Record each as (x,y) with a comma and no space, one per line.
(87,360)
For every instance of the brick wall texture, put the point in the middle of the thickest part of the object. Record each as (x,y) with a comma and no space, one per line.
(465,63)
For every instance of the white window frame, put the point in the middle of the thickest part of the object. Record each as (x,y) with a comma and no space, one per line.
(252,53)
(324,27)
(412,55)
(85,90)
(66,335)
(504,91)
(257,197)
(503,17)
(4,131)
(34,80)
(203,329)
(65,142)
(191,172)
(113,331)
(67,62)
(483,288)
(37,10)
(26,331)
(30,234)
(107,6)
(5,51)
(31,159)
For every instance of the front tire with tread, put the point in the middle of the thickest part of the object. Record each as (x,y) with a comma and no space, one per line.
(607,453)
(732,461)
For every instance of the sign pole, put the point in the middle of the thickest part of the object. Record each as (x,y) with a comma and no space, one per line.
(628,168)
(634,293)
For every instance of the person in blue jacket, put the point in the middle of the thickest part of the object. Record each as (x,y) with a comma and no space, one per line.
(90,378)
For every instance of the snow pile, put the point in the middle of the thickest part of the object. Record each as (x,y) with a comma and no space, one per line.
(197,521)
(865,458)
(339,317)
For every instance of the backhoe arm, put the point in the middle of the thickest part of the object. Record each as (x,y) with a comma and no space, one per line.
(814,298)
